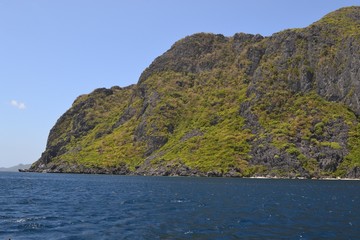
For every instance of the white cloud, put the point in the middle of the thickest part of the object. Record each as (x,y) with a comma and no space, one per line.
(19,105)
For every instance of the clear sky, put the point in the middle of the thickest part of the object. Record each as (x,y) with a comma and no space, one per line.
(52,51)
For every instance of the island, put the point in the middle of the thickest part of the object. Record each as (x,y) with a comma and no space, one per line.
(285,105)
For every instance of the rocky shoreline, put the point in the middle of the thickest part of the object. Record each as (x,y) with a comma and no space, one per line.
(192,173)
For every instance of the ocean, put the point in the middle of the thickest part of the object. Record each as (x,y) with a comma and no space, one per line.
(69,206)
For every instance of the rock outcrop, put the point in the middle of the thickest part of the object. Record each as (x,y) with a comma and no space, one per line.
(287,105)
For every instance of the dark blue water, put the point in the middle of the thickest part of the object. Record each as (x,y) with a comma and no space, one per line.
(55,206)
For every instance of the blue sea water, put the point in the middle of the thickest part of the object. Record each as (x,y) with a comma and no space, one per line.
(66,206)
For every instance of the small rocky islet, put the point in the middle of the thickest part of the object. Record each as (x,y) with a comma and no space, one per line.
(287,105)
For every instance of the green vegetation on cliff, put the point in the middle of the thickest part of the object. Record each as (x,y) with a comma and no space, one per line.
(285,105)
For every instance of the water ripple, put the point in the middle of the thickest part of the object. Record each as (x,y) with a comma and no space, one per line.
(52,206)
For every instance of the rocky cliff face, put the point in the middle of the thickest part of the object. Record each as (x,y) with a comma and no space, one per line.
(285,105)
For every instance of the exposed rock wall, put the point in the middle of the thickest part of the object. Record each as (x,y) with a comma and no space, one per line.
(247,105)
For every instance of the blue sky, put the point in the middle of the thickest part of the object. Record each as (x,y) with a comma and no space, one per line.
(53,51)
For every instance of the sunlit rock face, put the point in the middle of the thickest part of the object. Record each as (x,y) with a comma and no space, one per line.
(287,105)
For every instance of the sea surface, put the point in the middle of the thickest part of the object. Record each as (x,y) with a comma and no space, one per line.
(66,206)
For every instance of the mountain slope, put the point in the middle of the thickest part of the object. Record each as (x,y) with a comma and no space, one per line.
(285,105)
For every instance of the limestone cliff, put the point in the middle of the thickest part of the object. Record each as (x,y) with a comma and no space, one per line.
(285,105)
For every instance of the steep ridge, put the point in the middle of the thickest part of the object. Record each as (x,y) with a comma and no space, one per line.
(285,105)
